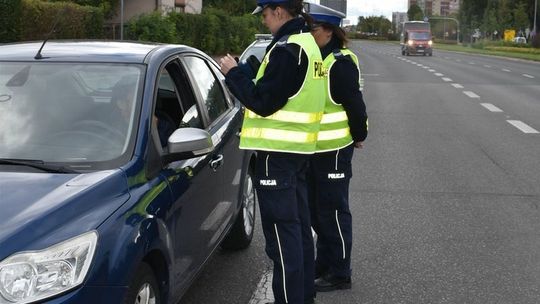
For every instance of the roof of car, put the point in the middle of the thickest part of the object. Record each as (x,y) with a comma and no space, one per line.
(82,51)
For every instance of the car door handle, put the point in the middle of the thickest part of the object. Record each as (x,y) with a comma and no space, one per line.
(216,162)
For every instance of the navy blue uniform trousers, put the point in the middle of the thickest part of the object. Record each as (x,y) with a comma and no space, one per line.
(330,174)
(282,193)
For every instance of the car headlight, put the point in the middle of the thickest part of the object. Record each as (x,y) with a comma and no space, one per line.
(410,42)
(430,42)
(31,276)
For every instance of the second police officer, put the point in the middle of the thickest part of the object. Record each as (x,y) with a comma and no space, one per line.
(343,128)
(283,111)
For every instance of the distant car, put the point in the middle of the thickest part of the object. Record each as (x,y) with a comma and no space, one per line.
(94,208)
(257,47)
(417,42)
(520,40)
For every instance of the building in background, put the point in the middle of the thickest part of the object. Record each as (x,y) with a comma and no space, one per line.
(436,7)
(134,8)
(397,20)
(338,5)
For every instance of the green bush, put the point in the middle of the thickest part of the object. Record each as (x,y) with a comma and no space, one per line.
(72,21)
(151,27)
(10,20)
(214,31)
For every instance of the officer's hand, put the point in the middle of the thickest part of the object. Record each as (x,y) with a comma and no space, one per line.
(358,145)
(227,63)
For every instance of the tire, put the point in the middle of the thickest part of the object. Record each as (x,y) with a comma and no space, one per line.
(402,52)
(431,54)
(144,288)
(241,233)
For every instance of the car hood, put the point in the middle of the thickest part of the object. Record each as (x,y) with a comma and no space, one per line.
(39,210)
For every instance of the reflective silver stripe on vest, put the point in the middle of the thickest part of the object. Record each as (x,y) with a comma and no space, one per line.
(334,117)
(333,134)
(289,116)
(281,135)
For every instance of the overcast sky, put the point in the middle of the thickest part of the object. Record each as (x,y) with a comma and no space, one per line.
(368,8)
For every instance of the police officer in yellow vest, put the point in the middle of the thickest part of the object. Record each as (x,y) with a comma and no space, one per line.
(284,108)
(343,127)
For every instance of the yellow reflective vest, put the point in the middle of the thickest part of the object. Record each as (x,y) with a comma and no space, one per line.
(294,127)
(334,133)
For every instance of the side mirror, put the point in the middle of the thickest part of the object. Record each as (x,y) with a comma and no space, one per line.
(187,143)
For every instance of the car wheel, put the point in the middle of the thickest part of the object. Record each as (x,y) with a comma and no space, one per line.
(430,54)
(241,232)
(143,288)
(402,52)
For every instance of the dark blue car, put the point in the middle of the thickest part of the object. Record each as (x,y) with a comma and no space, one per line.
(120,171)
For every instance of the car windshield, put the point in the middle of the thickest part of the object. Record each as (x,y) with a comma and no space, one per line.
(79,114)
(419,35)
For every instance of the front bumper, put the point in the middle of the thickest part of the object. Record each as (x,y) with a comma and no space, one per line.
(91,295)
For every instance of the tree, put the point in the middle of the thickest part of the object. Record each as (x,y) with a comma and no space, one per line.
(415,13)
(521,20)
(379,25)
(234,7)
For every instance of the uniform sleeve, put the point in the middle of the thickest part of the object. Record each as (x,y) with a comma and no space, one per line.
(282,78)
(345,90)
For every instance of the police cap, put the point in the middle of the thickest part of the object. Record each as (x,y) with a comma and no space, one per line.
(261,4)
(323,14)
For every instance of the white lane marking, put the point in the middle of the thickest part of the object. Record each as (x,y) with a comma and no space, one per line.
(471,94)
(457,86)
(491,107)
(506,70)
(264,293)
(446,79)
(439,74)
(523,127)
(528,76)
(487,66)
(432,70)
(472,63)
(425,67)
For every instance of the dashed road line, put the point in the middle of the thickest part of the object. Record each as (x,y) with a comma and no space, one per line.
(446,79)
(491,107)
(438,74)
(471,94)
(487,66)
(506,70)
(523,127)
(432,70)
(457,86)
(528,76)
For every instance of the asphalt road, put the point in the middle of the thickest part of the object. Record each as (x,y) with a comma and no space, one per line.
(446,191)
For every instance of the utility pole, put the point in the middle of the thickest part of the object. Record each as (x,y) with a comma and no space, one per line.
(535,9)
(121,19)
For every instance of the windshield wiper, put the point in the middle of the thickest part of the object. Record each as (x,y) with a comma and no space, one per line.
(38,164)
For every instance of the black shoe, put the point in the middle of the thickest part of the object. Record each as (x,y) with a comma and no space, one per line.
(308,301)
(320,271)
(330,282)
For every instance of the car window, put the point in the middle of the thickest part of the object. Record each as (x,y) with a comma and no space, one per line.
(208,86)
(175,105)
(257,50)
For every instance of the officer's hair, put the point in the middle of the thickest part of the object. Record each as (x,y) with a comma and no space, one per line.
(295,8)
(337,32)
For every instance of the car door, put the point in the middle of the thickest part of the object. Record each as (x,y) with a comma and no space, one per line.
(223,123)
(192,216)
